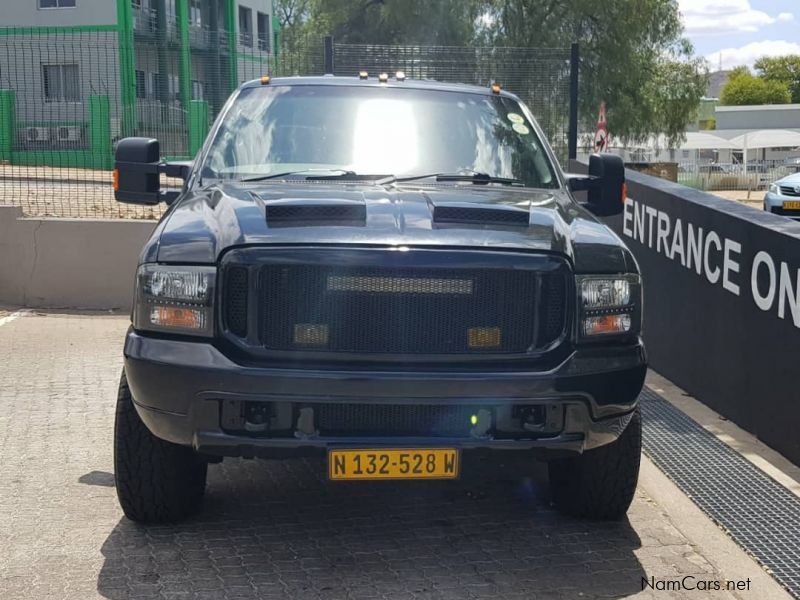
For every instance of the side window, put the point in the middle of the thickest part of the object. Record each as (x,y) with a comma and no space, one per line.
(245,26)
(61,83)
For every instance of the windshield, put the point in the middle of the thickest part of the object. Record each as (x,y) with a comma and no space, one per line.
(315,129)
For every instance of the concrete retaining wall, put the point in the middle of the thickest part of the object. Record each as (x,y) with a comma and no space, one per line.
(68,263)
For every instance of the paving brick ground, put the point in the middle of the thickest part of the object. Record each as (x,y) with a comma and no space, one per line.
(278,529)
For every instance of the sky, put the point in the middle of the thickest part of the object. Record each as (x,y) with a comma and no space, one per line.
(741,31)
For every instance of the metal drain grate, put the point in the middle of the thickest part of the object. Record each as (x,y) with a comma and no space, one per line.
(761,515)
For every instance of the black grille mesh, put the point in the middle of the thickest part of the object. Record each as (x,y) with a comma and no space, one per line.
(789,191)
(462,214)
(552,309)
(315,212)
(407,310)
(236,300)
(394,419)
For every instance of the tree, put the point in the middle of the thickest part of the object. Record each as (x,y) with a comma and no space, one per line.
(291,13)
(783,69)
(632,52)
(744,88)
(429,22)
(632,56)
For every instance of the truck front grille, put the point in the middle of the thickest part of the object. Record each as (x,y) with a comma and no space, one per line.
(399,310)
(403,311)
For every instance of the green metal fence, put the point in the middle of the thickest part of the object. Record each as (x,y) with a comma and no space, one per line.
(67,95)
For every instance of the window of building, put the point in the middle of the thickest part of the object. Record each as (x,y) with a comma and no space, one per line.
(195,13)
(56,3)
(61,83)
(141,89)
(245,26)
(174,87)
(262,21)
(172,18)
(152,83)
(197,90)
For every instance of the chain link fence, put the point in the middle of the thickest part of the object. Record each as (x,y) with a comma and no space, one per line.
(68,95)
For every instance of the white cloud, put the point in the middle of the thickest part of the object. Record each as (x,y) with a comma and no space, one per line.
(785,17)
(749,53)
(718,17)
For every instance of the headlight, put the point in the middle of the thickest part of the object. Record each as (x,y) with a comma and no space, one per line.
(773,188)
(605,293)
(175,299)
(608,305)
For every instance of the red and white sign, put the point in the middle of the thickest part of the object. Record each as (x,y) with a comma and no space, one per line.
(601,135)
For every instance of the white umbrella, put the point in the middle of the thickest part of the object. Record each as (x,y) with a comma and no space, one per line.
(700,140)
(768,138)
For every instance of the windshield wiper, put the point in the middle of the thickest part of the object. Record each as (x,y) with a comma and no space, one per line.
(339,173)
(476,178)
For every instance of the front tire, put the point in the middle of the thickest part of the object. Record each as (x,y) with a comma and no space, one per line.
(157,481)
(600,483)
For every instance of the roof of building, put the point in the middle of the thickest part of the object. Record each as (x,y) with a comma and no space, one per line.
(757,107)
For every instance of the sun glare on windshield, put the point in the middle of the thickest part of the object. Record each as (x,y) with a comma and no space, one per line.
(385,137)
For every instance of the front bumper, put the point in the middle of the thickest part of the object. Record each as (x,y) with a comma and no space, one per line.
(774,203)
(178,387)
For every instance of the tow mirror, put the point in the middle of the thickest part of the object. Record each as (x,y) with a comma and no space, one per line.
(607,193)
(137,167)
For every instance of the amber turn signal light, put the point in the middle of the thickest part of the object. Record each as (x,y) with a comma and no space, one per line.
(173,316)
(607,324)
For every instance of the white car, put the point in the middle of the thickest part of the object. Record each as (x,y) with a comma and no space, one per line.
(783,197)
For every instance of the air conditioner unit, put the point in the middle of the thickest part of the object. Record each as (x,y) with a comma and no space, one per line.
(37,134)
(69,134)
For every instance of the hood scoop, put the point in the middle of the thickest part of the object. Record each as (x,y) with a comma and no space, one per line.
(303,212)
(472,214)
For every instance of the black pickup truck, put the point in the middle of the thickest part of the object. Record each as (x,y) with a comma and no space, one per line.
(385,272)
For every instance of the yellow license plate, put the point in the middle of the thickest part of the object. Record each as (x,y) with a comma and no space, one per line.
(402,463)
(792,205)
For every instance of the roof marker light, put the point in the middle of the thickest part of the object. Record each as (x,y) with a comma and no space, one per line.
(383,78)
(363,74)
(264,79)
(400,76)
(495,88)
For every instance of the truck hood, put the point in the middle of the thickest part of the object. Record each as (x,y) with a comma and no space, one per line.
(203,224)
